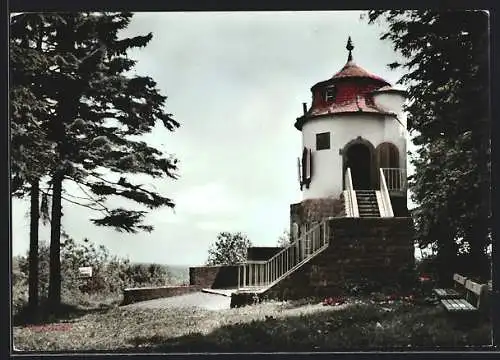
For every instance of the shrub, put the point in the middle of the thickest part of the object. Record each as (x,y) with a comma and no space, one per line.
(110,274)
(427,265)
(19,286)
(464,264)
(407,278)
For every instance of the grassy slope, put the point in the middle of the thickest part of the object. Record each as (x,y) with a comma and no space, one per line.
(266,327)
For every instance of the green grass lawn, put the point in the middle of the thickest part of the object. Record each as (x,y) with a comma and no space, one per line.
(267,327)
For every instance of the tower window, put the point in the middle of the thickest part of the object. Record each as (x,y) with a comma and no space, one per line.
(323,141)
(330,94)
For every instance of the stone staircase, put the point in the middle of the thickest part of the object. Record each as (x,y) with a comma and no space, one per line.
(258,276)
(367,203)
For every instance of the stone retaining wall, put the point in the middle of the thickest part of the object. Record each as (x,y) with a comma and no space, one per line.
(360,251)
(313,211)
(261,253)
(214,277)
(133,295)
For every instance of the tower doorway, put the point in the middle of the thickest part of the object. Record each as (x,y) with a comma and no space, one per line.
(387,155)
(388,159)
(358,158)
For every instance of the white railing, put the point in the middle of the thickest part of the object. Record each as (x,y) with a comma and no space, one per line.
(348,180)
(395,179)
(351,203)
(385,207)
(259,274)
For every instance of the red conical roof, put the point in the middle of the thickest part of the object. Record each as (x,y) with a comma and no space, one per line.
(353,87)
(352,70)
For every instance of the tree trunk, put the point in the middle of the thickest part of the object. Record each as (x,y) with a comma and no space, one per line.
(33,253)
(67,110)
(482,224)
(55,245)
(480,266)
(446,259)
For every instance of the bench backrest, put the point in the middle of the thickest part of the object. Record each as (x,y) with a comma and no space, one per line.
(474,288)
(459,279)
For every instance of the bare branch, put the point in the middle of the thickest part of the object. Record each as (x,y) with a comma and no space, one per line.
(98,202)
(83,205)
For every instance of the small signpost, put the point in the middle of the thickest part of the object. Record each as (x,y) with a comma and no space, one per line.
(85,272)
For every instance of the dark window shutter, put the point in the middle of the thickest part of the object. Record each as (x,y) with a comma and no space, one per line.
(299,171)
(310,165)
(304,165)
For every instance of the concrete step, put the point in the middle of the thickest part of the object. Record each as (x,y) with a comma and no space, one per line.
(223,292)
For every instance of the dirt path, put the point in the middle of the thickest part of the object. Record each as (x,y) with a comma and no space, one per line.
(198,299)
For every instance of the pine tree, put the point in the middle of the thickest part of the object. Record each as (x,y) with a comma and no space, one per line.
(30,152)
(446,56)
(98,117)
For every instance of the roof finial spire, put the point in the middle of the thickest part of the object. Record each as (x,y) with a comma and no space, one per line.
(349,47)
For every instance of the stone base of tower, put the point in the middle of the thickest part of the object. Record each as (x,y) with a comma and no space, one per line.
(400,206)
(361,251)
(313,211)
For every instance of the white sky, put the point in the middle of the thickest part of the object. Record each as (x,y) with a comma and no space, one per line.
(236,82)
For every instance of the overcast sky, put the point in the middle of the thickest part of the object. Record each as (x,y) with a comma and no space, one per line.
(236,83)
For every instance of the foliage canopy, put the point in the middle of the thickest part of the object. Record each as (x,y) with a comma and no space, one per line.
(229,249)
(446,58)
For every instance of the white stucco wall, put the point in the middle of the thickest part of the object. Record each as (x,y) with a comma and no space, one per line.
(327,174)
(390,102)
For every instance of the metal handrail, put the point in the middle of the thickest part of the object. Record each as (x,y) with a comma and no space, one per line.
(395,179)
(266,273)
(351,202)
(386,199)
(348,180)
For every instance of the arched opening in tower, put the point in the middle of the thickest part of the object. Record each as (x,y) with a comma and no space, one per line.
(388,158)
(358,158)
(387,155)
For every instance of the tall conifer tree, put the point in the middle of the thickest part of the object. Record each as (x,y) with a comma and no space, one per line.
(31,154)
(99,113)
(447,61)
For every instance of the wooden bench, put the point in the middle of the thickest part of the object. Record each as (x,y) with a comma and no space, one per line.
(475,293)
(452,293)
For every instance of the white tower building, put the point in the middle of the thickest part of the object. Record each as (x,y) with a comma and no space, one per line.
(355,122)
